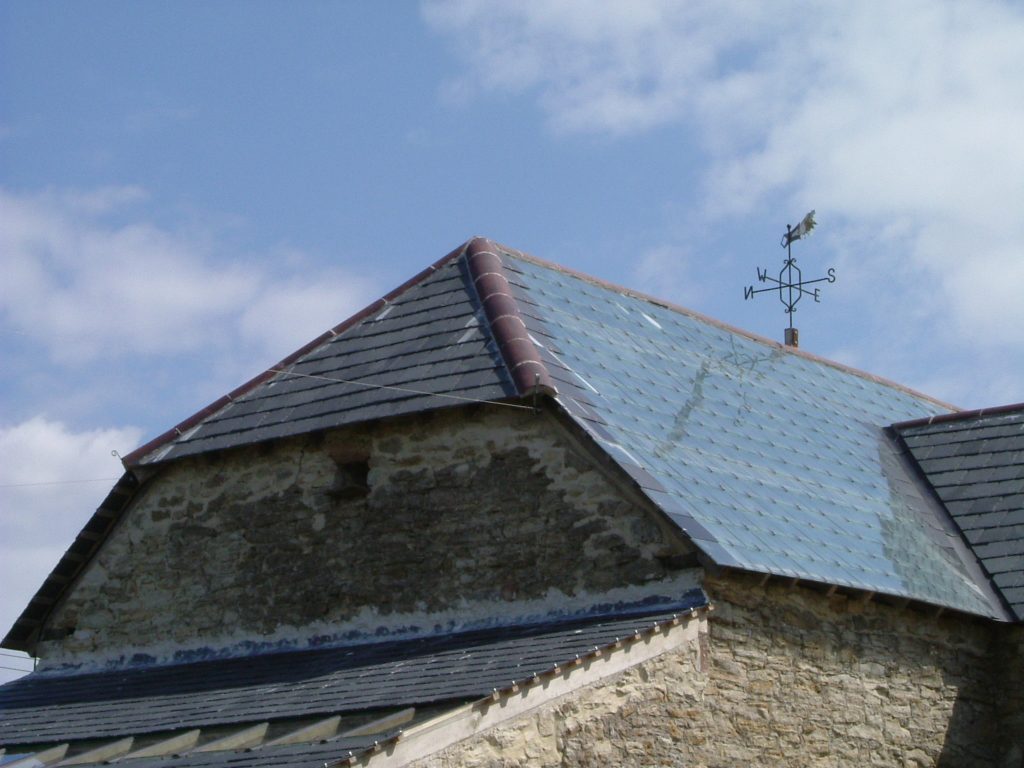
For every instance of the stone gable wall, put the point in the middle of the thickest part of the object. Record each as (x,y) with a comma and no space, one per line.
(469,515)
(786,677)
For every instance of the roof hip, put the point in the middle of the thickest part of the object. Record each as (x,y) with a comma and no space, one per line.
(518,351)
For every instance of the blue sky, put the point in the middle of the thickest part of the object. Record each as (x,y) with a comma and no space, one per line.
(189,191)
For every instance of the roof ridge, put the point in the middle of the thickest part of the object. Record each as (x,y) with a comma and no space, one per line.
(518,351)
(960,415)
(707,319)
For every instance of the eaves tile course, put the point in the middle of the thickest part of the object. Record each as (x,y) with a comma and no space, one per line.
(379,675)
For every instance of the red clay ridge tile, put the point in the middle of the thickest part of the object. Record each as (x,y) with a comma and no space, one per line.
(529,374)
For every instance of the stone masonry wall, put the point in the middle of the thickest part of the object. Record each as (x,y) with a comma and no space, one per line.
(468,515)
(1008,662)
(787,677)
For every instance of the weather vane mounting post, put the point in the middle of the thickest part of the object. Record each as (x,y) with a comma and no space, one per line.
(790,283)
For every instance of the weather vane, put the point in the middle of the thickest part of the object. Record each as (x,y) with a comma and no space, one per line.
(790,283)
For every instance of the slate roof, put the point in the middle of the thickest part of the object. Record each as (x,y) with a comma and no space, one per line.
(770,459)
(429,336)
(41,710)
(975,463)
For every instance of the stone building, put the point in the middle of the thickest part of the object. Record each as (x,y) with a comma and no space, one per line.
(511,515)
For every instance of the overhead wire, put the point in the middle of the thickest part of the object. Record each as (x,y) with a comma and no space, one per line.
(16,655)
(332,379)
(407,390)
(58,482)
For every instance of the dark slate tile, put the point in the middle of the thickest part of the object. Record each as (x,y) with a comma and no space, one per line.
(994,551)
(979,535)
(950,478)
(1010,579)
(1015,597)
(1005,564)
(1013,505)
(934,467)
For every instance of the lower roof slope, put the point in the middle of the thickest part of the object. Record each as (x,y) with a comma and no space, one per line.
(41,710)
(975,463)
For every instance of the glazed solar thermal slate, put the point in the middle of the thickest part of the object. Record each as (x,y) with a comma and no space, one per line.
(771,461)
(975,463)
(382,675)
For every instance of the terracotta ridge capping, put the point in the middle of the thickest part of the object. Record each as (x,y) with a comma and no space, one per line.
(135,457)
(959,415)
(528,372)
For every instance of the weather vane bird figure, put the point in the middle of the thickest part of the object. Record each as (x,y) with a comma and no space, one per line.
(790,283)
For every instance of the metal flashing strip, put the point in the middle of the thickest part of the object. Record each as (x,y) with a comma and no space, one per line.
(383,724)
(247,737)
(43,757)
(183,742)
(100,754)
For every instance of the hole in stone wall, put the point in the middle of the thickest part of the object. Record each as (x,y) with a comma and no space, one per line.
(351,481)
(678,561)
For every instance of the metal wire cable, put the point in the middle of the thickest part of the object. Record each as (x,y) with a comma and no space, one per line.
(58,482)
(407,390)
(401,389)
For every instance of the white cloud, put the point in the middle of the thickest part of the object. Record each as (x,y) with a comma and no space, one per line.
(299,310)
(88,281)
(609,68)
(87,288)
(665,272)
(900,124)
(51,480)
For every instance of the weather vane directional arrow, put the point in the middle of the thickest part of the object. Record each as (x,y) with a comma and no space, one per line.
(790,283)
